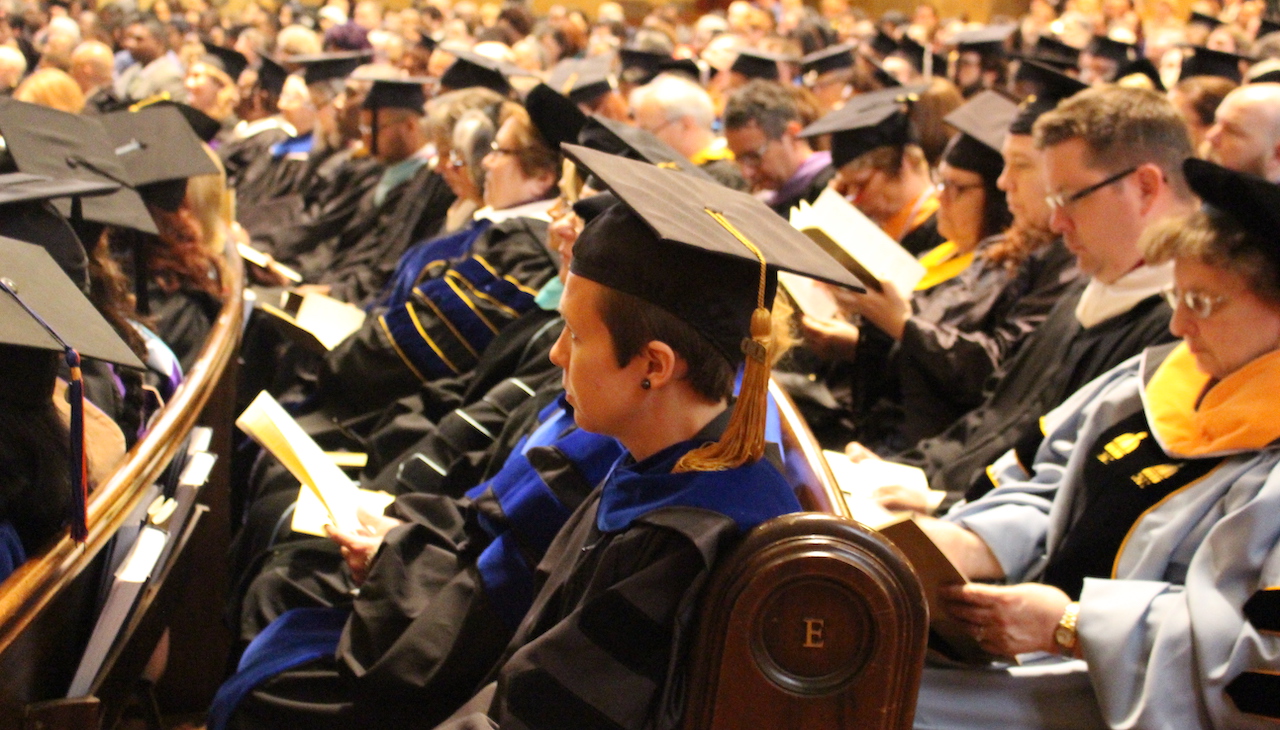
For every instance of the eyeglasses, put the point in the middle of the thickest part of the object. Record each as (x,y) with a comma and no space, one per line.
(1200,304)
(754,158)
(954,189)
(1062,200)
(496,150)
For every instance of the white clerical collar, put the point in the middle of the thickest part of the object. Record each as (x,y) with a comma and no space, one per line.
(245,130)
(1100,302)
(536,209)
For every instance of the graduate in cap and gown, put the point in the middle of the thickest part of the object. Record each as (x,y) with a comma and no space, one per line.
(1138,547)
(260,126)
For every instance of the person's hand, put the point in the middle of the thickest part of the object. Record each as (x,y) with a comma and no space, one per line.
(857,452)
(1007,620)
(888,309)
(830,339)
(305,289)
(359,547)
(897,498)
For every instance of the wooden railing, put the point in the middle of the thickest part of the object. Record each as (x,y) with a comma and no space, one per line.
(29,592)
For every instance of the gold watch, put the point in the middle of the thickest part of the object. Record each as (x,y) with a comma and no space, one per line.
(1065,633)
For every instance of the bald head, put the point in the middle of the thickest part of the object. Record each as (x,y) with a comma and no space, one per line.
(1245,135)
(91,65)
(12,66)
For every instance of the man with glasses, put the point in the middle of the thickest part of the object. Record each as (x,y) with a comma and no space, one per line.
(680,113)
(761,122)
(1112,158)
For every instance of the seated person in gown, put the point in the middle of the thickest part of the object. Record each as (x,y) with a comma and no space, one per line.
(1139,548)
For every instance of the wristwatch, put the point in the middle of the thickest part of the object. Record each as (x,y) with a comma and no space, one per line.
(1065,633)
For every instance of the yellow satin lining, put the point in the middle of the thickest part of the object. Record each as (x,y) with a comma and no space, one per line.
(1235,414)
(942,263)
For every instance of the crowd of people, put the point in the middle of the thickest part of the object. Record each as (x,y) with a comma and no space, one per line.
(565,231)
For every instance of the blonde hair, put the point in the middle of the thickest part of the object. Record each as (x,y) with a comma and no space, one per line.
(210,204)
(53,88)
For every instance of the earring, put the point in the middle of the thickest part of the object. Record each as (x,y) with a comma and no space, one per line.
(645,384)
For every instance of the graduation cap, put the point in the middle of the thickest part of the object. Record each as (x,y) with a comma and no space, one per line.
(326,66)
(232,62)
(593,205)
(583,80)
(868,121)
(41,308)
(1267,26)
(44,141)
(709,256)
(271,76)
(472,69)
(1208,62)
(883,43)
(1051,88)
(427,43)
(1052,52)
(640,66)
(1112,49)
(1264,72)
(882,76)
(205,126)
(1142,67)
(914,53)
(757,64)
(1198,18)
(555,116)
(26,215)
(159,151)
(983,122)
(684,66)
(618,138)
(833,58)
(401,92)
(1251,201)
(987,41)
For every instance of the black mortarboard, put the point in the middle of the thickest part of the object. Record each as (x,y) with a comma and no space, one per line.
(325,66)
(1110,48)
(593,205)
(1142,67)
(159,151)
(37,280)
(868,121)
(426,42)
(882,76)
(988,40)
(1198,18)
(914,53)
(554,115)
(1208,62)
(472,69)
(640,66)
(709,256)
(401,92)
(1263,76)
(583,80)
(44,141)
(983,122)
(675,242)
(684,66)
(1251,201)
(26,215)
(205,126)
(1051,88)
(828,59)
(618,138)
(1052,52)
(757,64)
(883,43)
(1267,26)
(271,76)
(232,62)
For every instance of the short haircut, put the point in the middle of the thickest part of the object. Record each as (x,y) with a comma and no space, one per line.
(1216,239)
(1122,128)
(633,323)
(767,103)
(153,25)
(1204,94)
(679,97)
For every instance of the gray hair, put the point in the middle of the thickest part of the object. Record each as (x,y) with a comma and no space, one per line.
(679,97)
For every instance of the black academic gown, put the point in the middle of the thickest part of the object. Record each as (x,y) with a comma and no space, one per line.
(809,193)
(363,256)
(1054,362)
(726,173)
(924,237)
(243,158)
(295,225)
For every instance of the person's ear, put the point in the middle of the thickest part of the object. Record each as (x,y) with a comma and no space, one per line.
(793,128)
(662,364)
(1150,179)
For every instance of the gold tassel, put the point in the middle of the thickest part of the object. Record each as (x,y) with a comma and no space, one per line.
(743,439)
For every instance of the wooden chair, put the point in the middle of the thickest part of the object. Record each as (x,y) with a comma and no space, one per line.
(48,606)
(813,622)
